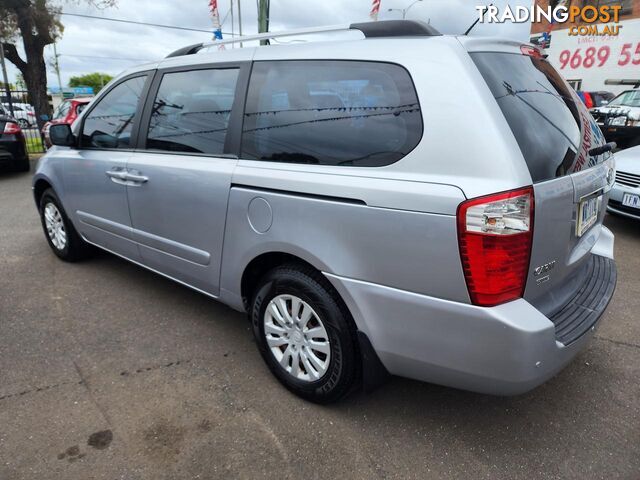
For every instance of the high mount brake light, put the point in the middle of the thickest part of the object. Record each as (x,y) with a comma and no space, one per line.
(531,51)
(495,234)
(11,128)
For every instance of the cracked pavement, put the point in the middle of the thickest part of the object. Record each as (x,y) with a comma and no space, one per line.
(108,371)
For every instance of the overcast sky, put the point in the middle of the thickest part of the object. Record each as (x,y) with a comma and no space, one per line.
(95,45)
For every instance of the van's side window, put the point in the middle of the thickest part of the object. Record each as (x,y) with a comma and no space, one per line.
(331,113)
(191,111)
(110,123)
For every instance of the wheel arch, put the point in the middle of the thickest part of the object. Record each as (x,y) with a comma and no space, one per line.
(39,187)
(261,265)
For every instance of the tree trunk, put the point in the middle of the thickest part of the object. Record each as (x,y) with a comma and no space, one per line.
(35,76)
(35,35)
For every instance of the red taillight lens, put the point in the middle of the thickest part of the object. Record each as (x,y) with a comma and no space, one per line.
(11,128)
(495,234)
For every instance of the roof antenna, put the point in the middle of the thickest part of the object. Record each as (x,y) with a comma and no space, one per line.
(484,10)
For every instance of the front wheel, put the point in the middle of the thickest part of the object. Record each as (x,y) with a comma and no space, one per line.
(305,334)
(23,123)
(59,231)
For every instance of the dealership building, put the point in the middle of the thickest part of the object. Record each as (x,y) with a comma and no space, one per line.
(587,61)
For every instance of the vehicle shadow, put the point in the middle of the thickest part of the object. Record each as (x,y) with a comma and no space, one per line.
(623,225)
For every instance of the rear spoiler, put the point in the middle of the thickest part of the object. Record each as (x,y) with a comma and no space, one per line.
(628,82)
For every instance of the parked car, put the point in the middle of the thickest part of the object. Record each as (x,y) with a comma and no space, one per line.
(324,190)
(625,195)
(66,113)
(26,116)
(620,119)
(13,150)
(596,99)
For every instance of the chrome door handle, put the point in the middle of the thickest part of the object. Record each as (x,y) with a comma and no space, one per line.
(117,174)
(136,178)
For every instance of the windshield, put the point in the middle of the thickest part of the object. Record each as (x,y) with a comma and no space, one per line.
(630,98)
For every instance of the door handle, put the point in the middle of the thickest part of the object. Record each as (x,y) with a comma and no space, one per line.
(136,178)
(117,174)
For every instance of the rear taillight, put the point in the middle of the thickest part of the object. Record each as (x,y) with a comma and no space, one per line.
(11,128)
(495,234)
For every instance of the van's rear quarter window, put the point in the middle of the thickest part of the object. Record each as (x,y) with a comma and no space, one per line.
(331,113)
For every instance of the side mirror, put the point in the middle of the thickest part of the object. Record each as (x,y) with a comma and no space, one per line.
(62,135)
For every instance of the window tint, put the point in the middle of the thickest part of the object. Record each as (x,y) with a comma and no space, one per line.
(551,125)
(331,113)
(191,111)
(110,123)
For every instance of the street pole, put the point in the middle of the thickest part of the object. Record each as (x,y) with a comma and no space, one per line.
(240,21)
(404,10)
(6,80)
(263,19)
(233,32)
(57,67)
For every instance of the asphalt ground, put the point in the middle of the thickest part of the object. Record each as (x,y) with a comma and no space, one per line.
(108,371)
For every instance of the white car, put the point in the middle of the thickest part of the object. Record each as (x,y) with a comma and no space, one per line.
(23,112)
(625,196)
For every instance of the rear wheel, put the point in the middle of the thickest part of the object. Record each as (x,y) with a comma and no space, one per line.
(23,123)
(305,334)
(59,231)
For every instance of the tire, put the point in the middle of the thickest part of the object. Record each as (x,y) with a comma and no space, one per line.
(67,244)
(319,377)
(23,123)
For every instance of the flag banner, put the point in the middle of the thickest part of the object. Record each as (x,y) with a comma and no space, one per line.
(215,17)
(375,9)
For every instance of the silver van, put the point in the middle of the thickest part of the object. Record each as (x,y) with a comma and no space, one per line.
(406,203)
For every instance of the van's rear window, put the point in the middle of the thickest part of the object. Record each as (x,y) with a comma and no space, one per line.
(551,125)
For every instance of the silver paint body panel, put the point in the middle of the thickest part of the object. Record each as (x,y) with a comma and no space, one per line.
(385,237)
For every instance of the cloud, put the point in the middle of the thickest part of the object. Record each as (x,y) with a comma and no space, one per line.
(90,45)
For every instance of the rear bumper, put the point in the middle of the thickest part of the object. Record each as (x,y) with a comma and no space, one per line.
(504,350)
(12,152)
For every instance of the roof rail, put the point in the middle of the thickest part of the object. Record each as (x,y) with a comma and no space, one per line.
(382,29)
(635,83)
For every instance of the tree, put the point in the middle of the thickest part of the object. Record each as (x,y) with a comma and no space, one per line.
(37,22)
(95,80)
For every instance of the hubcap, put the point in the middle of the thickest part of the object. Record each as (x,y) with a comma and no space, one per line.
(297,338)
(55,226)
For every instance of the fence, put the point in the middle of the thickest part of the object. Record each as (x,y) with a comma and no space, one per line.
(23,113)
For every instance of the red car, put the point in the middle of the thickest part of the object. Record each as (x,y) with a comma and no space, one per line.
(66,112)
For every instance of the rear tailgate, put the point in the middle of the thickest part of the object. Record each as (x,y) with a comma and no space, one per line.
(555,133)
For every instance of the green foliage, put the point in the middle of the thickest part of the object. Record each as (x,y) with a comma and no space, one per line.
(96,80)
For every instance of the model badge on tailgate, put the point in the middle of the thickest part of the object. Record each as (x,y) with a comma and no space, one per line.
(547,267)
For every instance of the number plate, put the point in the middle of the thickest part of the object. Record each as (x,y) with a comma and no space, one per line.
(587,214)
(629,200)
